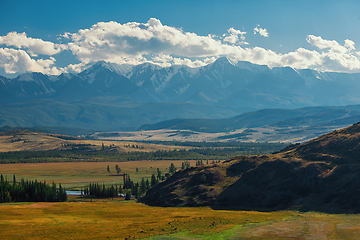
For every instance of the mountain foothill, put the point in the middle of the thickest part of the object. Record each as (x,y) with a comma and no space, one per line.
(319,175)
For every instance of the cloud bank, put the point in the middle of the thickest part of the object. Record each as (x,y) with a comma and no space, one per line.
(136,43)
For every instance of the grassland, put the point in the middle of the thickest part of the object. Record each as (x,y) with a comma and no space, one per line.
(84,218)
(129,220)
(24,140)
(257,134)
(74,175)
(24,146)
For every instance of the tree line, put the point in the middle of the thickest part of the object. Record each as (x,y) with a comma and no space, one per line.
(129,188)
(81,153)
(30,191)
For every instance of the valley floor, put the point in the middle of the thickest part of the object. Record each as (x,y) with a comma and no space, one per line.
(117,219)
(258,134)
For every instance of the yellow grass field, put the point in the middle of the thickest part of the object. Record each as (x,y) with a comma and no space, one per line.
(130,220)
(74,175)
(37,141)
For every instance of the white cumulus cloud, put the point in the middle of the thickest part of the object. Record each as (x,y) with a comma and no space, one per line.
(301,59)
(262,31)
(33,46)
(113,41)
(334,56)
(136,43)
(13,61)
(234,36)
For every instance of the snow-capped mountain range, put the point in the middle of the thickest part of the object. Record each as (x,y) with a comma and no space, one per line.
(224,83)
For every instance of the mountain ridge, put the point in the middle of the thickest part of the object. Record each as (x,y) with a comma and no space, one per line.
(308,116)
(221,83)
(105,96)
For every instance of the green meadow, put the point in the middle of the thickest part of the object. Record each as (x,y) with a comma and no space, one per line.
(75,175)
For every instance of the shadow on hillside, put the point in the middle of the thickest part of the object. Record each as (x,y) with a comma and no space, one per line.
(322,209)
(280,185)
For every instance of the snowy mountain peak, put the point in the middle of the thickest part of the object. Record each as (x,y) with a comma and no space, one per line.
(150,65)
(223,60)
(225,82)
(121,69)
(26,77)
(103,65)
(32,77)
(66,75)
(252,67)
(220,63)
(226,61)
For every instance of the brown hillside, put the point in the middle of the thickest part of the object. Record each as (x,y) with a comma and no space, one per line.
(341,146)
(321,175)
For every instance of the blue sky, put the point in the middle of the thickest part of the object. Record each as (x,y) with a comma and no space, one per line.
(67,36)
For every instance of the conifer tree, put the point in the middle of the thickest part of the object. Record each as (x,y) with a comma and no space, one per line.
(172,168)
(203,178)
(147,183)
(153,180)
(118,170)
(127,196)
(158,174)
(143,186)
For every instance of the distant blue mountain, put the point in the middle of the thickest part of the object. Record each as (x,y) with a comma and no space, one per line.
(276,118)
(110,96)
(223,83)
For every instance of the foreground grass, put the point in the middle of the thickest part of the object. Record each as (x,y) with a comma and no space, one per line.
(128,220)
(119,220)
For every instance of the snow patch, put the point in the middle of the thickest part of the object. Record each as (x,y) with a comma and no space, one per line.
(192,71)
(140,83)
(91,77)
(216,74)
(124,69)
(161,79)
(182,89)
(232,61)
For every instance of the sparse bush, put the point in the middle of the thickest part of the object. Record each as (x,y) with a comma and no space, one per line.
(203,178)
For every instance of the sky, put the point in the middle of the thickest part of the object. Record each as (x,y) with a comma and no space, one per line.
(54,37)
